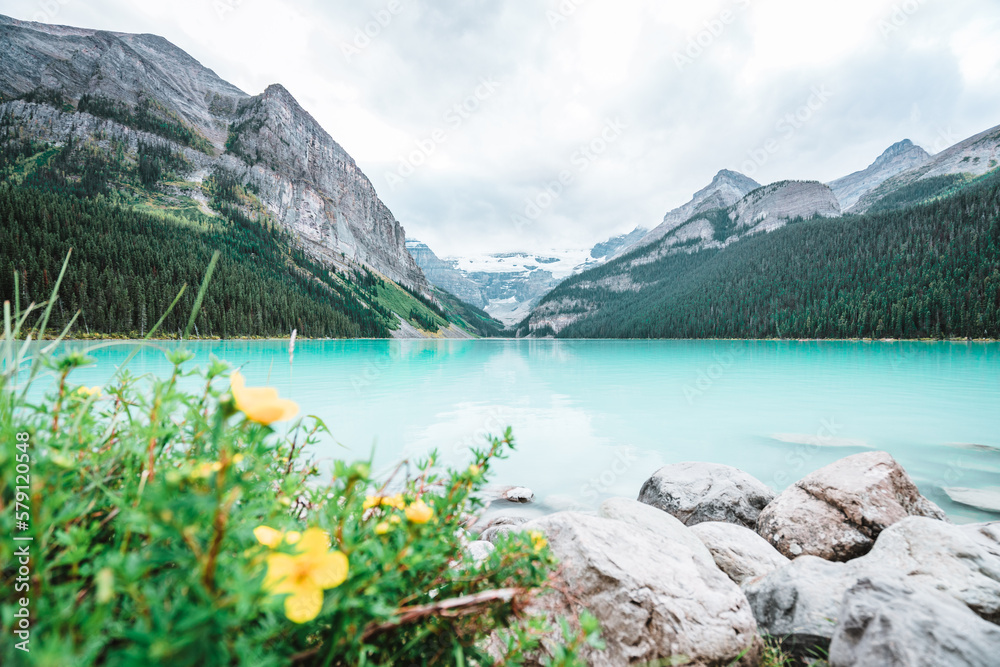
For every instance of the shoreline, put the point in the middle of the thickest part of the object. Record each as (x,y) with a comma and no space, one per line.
(250,339)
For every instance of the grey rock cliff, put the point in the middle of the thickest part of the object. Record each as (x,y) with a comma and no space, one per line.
(898,158)
(973,157)
(727,188)
(304,178)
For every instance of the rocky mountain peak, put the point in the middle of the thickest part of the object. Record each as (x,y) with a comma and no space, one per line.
(726,188)
(898,158)
(304,178)
(733,178)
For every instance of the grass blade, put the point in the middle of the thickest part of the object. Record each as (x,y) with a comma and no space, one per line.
(201,293)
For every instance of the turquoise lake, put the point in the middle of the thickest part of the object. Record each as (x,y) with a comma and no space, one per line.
(594,419)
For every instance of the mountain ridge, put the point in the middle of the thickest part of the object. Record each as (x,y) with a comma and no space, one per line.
(901,156)
(304,178)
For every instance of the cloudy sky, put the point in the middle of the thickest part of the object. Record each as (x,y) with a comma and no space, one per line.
(495,125)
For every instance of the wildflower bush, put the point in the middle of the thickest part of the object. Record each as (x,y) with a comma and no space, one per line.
(174,527)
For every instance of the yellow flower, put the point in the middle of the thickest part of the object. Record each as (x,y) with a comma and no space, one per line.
(89,391)
(419,512)
(268,536)
(474,469)
(384,527)
(271,537)
(538,540)
(261,404)
(304,575)
(206,470)
(392,501)
(238,459)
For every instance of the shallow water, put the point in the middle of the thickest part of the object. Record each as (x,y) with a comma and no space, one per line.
(594,419)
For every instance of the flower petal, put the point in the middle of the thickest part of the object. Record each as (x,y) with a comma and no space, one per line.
(280,568)
(419,512)
(330,570)
(314,542)
(304,605)
(267,536)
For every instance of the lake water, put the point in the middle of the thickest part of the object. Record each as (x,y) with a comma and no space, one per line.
(594,419)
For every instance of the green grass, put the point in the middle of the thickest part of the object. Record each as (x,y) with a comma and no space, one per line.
(28,165)
(401,302)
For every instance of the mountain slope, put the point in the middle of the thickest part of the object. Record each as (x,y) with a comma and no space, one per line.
(727,188)
(898,158)
(927,271)
(764,210)
(949,169)
(138,123)
(91,84)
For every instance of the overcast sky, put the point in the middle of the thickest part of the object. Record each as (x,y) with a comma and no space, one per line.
(467,114)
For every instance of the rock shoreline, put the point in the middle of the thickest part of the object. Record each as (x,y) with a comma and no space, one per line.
(850,566)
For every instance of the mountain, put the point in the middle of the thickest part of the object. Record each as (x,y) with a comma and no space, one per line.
(944,173)
(607,249)
(763,210)
(446,276)
(268,142)
(727,188)
(899,157)
(133,121)
(508,285)
(929,270)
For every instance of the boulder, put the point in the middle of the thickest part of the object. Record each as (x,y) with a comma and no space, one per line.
(739,552)
(888,623)
(698,492)
(799,603)
(659,523)
(479,550)
(961,561)
(518,494)
(501,525)
(655,598)
(838,511)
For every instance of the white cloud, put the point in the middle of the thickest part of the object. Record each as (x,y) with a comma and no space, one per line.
(754,62)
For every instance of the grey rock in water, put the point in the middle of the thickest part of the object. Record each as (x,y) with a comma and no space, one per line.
(738,551)
(987,500)
(655,599)
(838,511)
(888,623)
(697,492)
(518,494)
